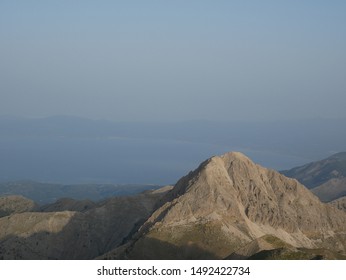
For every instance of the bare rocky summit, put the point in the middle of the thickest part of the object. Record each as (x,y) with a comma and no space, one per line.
(228,202)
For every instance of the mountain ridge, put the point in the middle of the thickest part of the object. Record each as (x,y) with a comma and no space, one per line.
(326,178)
(233,200)
(227,207)
(78,233)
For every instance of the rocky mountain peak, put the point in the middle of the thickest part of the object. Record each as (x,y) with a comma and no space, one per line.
(231,198)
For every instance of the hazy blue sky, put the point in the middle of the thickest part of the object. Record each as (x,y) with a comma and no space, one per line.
(173,60)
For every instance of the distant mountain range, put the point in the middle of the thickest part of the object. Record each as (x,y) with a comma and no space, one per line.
(326,178)
(227,208)
(43,193)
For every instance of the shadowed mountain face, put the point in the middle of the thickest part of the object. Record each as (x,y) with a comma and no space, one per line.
(269,247)
(325,178)
(79,234)
(69,204)
(227,203)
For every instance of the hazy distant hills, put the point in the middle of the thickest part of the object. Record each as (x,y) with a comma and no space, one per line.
(43,193)
(326,178)
(317,173)
(76,150)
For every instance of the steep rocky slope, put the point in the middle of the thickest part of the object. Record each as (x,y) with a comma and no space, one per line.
(228,202)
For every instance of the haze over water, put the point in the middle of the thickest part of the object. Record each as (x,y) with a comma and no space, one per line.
(168,62)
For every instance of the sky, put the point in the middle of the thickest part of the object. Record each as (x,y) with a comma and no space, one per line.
(173,60)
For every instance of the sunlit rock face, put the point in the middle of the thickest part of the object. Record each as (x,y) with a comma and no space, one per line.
(228,202)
